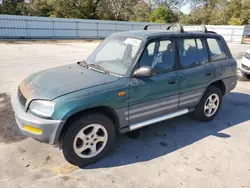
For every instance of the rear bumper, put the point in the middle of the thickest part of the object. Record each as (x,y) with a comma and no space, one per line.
(50,128)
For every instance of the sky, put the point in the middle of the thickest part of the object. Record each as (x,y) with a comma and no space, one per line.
(186,8)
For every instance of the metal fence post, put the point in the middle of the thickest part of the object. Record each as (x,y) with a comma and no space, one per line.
(53,29)
(97,26)
(77,36)
(243,34)
(231,38)
(26,27)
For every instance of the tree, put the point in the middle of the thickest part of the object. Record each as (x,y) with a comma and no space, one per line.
(117,10)
(215,12)
(219,12)
(163,14)
(11,7)
(39,8)
(141,12)
(208,12)
(238,12)
(65,8)
(84,9)
(88,8)
(171,4)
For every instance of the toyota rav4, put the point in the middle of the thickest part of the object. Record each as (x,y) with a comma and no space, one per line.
(131,80)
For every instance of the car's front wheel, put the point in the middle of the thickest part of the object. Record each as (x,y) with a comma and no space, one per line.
(88,139)
(209,105)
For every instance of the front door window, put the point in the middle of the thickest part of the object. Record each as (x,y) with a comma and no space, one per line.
(159,55)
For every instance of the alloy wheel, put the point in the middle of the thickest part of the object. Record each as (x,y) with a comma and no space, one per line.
(90,140)
(211,105)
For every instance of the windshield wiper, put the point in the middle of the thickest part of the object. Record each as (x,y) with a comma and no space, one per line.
(98,67)
(83,63)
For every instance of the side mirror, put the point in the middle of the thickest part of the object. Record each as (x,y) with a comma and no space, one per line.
(144,71)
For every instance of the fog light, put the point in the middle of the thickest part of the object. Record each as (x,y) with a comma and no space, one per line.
(33,129)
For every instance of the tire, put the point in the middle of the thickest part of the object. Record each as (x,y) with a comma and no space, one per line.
(203,114)
(90,131)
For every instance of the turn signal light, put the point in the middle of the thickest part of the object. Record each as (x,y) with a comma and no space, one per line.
(33,129)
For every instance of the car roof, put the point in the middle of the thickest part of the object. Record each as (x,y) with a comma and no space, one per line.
(144,34)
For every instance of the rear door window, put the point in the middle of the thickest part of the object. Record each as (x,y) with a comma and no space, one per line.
(216,50)
(192,53)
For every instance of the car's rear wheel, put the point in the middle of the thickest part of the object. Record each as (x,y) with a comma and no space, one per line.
(209,105)
(88,139)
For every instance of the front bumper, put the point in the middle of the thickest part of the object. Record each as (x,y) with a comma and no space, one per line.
(50,128)
(245,65)
(245,71)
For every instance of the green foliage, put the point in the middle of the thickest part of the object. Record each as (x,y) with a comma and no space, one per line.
(65,9)
(220,12)
(39,8)
(238,12)
(117,10)
(12,7)
(141,12)
(214,12)
(163,14)
(235,21)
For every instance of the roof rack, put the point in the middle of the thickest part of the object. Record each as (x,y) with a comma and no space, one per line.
(204,29)
(180,28)
(146,26)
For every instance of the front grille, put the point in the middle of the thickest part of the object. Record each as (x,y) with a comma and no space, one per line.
(21,98)
(245,67)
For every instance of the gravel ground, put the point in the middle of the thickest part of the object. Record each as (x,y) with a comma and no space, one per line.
(177,153)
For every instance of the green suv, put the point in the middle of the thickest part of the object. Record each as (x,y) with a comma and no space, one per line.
(131,80)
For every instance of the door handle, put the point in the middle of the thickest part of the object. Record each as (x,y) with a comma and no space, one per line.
(208,73)
(172,81)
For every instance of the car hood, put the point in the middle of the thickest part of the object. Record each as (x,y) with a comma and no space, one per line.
(55,82)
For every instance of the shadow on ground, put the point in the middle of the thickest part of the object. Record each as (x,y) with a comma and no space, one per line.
(155,140)
(166,137)
(9,131)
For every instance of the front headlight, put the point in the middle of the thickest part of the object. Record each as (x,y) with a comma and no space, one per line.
(247,55)
(42,108)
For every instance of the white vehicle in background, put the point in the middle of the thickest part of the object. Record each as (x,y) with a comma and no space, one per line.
(245,65)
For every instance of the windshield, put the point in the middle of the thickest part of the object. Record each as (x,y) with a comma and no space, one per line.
(115,54)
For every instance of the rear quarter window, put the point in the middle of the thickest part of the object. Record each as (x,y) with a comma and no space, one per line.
(216,50)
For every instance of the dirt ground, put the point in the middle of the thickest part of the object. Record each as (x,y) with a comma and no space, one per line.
(181,152)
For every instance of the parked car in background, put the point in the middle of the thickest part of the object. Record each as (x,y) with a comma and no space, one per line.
(133,79)
(245,65)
